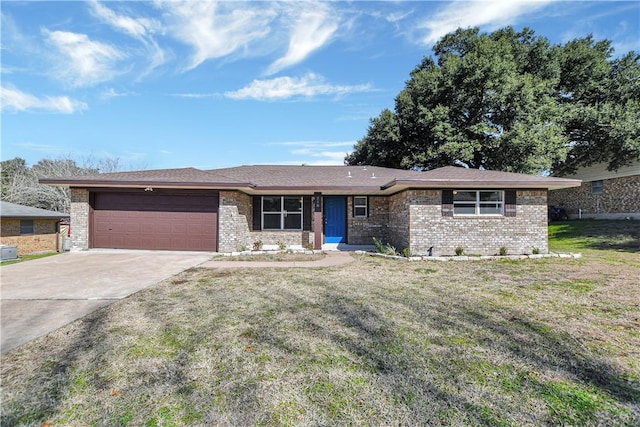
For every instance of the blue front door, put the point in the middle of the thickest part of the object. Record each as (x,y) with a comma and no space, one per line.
(335,219)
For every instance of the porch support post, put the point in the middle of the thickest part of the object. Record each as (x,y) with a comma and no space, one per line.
(317,221)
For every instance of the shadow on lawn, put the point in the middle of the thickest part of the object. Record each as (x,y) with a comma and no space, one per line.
(50,383)
(421,384)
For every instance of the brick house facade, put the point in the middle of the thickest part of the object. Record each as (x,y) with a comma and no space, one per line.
(313,206)
(31,230)
(603,194)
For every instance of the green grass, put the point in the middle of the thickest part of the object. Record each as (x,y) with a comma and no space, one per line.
(578,236)
(376,342)
(24,258)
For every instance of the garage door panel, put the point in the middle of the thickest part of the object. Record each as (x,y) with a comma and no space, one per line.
(155,221)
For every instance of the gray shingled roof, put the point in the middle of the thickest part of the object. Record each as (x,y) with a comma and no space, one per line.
(168,177)
(366,179)
(279,176)
(12,210)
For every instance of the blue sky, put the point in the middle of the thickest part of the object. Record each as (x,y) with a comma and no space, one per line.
(216,84)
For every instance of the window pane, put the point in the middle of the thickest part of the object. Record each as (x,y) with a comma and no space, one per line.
(597,187)
(491,196)
(293,222)
(292,204)
(360,201)
(464,196)
(26,226)
(464,209)
(360,211)
(271,204)
(492,209)
(271,221)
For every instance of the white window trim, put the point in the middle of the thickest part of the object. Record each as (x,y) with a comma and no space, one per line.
(478,203)
(283,214)
(365,206)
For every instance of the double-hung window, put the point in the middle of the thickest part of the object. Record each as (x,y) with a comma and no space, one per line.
(26,226)
(478,202)
(282,213)
(360,206)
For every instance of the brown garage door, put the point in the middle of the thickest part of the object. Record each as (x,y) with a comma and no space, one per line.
(155,220)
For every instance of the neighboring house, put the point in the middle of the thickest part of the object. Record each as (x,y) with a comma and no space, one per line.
(603,194)
(230,209)
(29,229)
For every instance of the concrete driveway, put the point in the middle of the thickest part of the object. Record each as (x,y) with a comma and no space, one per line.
(40,296)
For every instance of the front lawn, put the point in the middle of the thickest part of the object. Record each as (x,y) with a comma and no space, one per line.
(375,342)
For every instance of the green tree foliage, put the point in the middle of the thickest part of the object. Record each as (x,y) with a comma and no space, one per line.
(20,182)
(510,101)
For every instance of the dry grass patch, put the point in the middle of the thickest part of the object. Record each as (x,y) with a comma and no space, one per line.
(274,257)
(375,342)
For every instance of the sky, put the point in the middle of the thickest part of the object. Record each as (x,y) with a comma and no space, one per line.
(169,84)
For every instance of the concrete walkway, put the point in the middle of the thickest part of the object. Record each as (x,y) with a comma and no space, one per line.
(331,259)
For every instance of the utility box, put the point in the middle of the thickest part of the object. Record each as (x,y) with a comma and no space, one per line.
(66,244)
(8,252)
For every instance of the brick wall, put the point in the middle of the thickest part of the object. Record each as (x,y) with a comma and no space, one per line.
(418,213)
(79,219)
(399,220)
(270,239)
(362,230)
(43,239)
(234,219)
(620,198)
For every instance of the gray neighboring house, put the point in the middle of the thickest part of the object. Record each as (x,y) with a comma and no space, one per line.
(230,209)
(30,229)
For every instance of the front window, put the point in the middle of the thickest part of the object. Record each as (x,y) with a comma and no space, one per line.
(597,187)
(475,202)
(282,213)
(360,206)
(26,226)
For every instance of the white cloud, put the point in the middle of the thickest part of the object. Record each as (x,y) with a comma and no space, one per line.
(112,93)
(216,30)
(16,100)
(141,29)
(309,85)
(135,27)
(312,30)
(491,13)
(84,62)
(317,152)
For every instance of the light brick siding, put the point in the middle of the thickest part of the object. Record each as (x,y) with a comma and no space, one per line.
(362,230)
(234,217)
(43,239)
(418,213)
(620,198)
(270,238)
(79,219)
(399,220)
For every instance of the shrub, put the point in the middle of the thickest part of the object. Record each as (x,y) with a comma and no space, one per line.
(244,248)
(503,250)
(308,246)
(406,252)
(379,245)
(459,251)
(257,245)
(535,251)
(281,245)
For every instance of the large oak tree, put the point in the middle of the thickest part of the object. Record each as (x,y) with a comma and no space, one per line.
(511,101)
